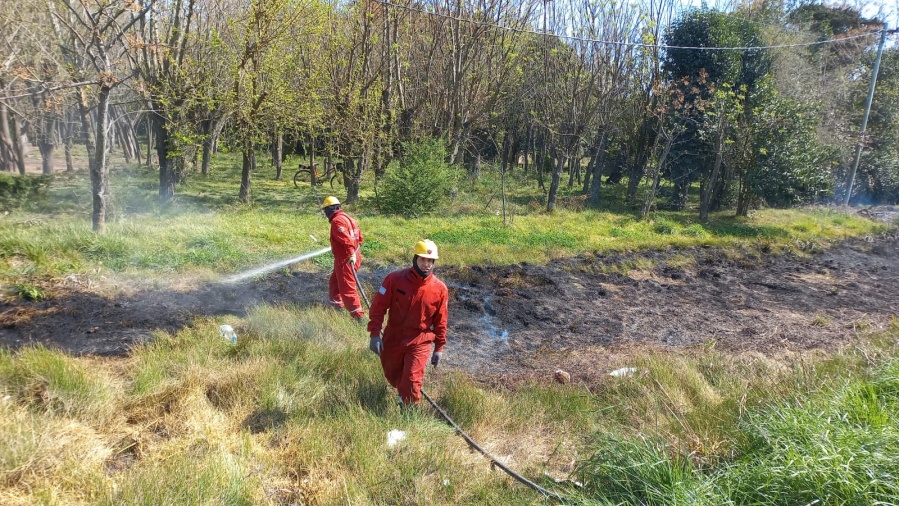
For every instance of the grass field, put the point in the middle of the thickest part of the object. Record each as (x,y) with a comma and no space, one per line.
(298,411)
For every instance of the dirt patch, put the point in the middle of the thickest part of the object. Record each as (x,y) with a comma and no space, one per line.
(580,314)
(581,319)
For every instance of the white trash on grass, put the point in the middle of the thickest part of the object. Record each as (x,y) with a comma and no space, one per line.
(228,333)
(394,437)
(624,371)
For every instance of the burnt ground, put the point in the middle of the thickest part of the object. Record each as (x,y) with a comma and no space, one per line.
(585,314)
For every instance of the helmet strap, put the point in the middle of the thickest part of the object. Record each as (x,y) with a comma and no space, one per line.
(420,272)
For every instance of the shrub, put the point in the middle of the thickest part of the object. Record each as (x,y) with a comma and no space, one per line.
(16,191)
(27,291)
(421,181)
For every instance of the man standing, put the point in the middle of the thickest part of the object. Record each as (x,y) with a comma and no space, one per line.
(417,305)
(346,245)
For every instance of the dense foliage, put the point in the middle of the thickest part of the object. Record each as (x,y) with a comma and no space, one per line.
(583,94)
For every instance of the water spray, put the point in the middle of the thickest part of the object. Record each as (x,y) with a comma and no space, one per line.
(268,268)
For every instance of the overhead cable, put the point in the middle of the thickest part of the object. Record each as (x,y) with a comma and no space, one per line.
(623,43)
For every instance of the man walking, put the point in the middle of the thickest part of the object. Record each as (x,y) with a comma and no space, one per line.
(415,302)
(346,245)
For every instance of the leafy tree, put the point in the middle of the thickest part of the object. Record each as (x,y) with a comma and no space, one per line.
(784,163)
(877,180)
(833,77)
(700,154)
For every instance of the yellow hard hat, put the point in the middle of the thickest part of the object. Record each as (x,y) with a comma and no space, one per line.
(426,249)
(330,201)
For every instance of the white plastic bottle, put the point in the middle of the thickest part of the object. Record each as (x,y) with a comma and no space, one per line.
(228,333)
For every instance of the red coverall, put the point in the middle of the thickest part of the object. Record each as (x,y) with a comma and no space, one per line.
(346,239)
(417,318)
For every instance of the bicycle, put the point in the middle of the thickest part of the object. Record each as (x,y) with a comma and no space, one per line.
(310,173)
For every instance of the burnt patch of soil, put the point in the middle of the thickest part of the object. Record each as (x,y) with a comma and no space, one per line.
(82,321)
(581,314)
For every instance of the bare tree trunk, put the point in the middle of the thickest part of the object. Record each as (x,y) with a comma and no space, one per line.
(540,162)
(472,164)
(249,161)
(352,170)
(99,171)
(554,185)
(18,145)
(166,166)
(120,134)
(744,192)
(650,197)
(132,135)
(528,144)
(506,154)
(7,154)
(150,141)
(67,146)
(641,156)
(45,136)
(278,154)
(87,128)
(597,165)
(46,147)
(206,130)
(712,184)
(68,133)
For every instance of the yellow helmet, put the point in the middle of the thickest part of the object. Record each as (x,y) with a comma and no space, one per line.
(330,201)
(426,249)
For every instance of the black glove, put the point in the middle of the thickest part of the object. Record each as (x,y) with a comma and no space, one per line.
(376,345)
(435,357)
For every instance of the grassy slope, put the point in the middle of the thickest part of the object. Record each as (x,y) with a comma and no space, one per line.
(298,412)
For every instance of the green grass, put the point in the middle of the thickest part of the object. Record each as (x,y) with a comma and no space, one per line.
(207,232)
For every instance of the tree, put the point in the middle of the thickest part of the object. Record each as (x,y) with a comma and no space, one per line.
(94,30)
(702,155)
(260,75)
(878,173)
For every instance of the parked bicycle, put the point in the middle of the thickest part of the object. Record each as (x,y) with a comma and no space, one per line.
(312,175)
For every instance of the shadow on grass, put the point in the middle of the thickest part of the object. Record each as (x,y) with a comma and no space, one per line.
(264,419)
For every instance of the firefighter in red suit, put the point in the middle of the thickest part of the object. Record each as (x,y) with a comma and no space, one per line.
(346,245)
(416,326)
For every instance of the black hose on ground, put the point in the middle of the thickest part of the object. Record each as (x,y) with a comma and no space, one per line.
(471,442)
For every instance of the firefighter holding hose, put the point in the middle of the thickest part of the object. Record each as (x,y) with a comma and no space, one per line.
(346,245)
(415,303)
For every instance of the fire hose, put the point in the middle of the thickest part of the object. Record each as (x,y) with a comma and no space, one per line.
(471,442)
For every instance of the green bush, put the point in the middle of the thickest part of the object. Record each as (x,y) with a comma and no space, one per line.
(420,183)
(16,191)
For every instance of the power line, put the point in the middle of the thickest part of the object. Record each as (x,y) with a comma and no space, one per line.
(620,43)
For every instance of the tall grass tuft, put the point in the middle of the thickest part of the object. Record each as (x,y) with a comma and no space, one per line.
(643,470)
(838,447)
(48,460)
(199,475)
(47,380)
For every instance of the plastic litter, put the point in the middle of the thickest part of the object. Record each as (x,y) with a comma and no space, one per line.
(228,333)
(624,371)
(394,437)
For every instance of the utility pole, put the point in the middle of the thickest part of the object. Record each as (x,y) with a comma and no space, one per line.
(861,136)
